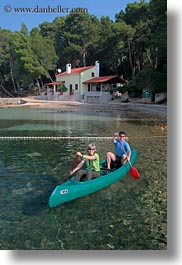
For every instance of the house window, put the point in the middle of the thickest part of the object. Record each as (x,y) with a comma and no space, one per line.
(76,86)
(93,74)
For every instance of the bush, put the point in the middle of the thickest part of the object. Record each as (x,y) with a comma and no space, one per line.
(151,80)
(62,88)
(132,89)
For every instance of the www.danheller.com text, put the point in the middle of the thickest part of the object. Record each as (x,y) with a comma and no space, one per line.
(48,9)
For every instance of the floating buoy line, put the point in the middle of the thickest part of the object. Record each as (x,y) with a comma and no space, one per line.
(58,138)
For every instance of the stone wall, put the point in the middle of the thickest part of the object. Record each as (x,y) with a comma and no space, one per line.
(11,101)
(96,97)
(59,96)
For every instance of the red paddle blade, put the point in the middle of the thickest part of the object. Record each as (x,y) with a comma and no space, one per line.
(134,173)
(74,165)
(75,162)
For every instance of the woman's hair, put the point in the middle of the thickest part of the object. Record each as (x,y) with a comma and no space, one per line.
(91,146)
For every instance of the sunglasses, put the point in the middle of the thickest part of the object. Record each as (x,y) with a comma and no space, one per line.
(90,149)
(122,136)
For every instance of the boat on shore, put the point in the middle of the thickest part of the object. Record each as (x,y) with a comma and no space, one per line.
(71,189)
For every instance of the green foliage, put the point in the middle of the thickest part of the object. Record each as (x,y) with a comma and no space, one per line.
(136,12)
(62,88)
(132,89)
(80,37)
(134,46)
(151,80)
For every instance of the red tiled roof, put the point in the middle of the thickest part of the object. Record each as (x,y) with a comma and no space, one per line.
(106,79)
(54,83)
(75,71)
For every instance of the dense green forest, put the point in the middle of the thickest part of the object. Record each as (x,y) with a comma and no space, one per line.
(133,46)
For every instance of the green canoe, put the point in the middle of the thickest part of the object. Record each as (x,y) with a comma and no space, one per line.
(71,189)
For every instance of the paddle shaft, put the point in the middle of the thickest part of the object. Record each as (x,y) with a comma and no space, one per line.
(74,165)
(126,156)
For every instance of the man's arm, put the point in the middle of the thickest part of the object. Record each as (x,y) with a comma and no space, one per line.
(116,135)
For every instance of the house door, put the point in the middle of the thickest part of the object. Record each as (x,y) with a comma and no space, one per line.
(71,90)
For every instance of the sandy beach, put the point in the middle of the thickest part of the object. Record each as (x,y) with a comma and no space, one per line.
(30,102)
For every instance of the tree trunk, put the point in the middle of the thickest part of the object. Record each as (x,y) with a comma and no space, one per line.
(38,84)
(156,59)
(130,61)
(84,57)
(41,82)
(12,73)
(50,77)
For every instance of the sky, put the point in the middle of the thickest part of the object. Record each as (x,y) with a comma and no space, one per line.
(11,19)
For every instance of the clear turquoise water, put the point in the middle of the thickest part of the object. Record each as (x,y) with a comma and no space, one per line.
(127,215)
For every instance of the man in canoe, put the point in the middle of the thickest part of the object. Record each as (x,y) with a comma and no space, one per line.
(92,164)
(123,150)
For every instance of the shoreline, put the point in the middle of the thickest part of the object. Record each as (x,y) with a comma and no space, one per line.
(153,110)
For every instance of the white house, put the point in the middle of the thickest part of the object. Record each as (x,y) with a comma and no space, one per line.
(74,78)
(83,84)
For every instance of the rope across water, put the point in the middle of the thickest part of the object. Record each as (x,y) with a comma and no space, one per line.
(57,138)
(54,138)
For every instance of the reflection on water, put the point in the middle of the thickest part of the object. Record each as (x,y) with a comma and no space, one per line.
(128,215)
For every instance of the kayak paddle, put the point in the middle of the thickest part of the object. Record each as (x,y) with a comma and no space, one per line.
(133,171)
(74,165)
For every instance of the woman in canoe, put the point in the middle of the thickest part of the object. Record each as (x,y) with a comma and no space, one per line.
(123,150)
(92,164)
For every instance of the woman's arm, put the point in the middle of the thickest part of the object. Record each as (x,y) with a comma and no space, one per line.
(93,157)
(89,157)
(77,167)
